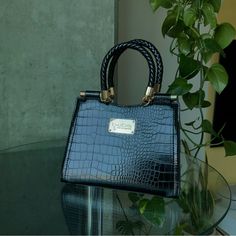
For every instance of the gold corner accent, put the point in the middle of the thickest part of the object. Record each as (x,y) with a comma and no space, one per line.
(173,97)
(148,97)
(149,91)
(82,94)
(156,88)
(111,92)
(105,96)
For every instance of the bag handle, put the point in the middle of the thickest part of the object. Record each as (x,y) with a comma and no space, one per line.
(158,61)
(116,51)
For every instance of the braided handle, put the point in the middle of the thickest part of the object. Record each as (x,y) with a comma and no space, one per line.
(158,60)
(116,51)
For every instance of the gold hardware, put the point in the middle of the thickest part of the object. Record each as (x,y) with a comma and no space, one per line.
(111,92)
(173,97)
(82,94)
(156,88)
(105,96)
(148,95)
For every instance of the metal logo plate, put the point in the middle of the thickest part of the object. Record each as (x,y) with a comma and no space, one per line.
(121,126)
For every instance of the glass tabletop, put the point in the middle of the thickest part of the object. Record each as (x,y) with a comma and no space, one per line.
(33,200)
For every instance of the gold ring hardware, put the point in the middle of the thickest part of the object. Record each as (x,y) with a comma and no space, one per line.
(82,94)
(173,97)
(111,92)
(156,88)
(105,96)
(149,95)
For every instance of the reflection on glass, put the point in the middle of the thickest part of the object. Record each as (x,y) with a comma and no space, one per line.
(203,203)
(82,207)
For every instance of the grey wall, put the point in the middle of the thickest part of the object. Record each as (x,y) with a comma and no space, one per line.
(49,51)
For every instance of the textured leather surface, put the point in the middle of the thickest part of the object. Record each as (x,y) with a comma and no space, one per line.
(146,161)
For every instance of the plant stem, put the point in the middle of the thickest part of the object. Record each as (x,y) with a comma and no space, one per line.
(126,217)
(188,137)
(200,89)
(191,132)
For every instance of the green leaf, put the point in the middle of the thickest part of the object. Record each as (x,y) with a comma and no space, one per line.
(126,227)
(167,3)
(208,202)
(184,45)
(138,225)
(133,197)
(224,34)
(230,148)
(171,26)
(190,100)
(209,15)
(155,211)
(176,30)
(179,87)
(218,77)
(142,205)
(179,229)
(190,16)
(155,4)
(194,3)
(192,32)
(207,128)
(206,104)
(194,100)
(213,46)
(183,202)
(188,67)
(168,23)
(216,5)
(207,56)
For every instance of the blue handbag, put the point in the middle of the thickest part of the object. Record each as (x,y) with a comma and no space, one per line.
(133,148)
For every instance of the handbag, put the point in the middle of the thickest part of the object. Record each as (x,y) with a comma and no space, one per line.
(133,148)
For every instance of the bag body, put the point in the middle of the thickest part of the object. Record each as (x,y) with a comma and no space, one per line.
(133,148)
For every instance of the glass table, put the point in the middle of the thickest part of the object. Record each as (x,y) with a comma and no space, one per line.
(33,200)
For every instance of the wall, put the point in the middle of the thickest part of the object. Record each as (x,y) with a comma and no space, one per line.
(49,51)
(136,20)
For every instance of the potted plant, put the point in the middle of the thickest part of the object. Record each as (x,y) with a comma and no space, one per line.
(196,38)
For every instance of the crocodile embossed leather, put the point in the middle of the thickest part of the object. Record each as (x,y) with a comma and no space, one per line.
(134,148)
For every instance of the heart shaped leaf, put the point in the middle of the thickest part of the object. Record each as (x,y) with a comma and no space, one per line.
(188,67)
(179,87)
(218,77)
(230,148)
(216,4)
(190,16)
(207,128)
(209,15)
(224,34)
(155,210)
